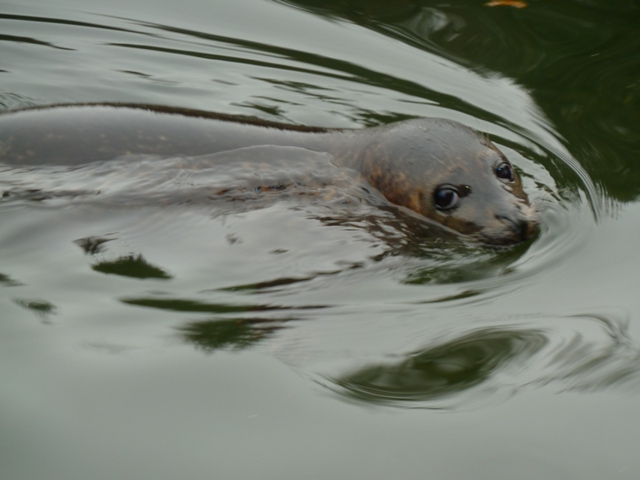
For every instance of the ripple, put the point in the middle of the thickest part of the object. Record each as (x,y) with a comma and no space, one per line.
(195,306)
(578,352)
(441,371)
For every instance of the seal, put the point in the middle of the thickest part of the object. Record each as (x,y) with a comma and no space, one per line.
(440,169)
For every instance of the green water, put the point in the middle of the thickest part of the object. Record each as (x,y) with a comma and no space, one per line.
(149,332)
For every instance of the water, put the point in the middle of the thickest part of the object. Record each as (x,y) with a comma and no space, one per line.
(169,319)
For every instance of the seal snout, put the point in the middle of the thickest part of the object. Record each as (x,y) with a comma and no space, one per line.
(522,228)
(521,224)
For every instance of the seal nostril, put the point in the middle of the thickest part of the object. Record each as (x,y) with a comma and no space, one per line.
(523,227)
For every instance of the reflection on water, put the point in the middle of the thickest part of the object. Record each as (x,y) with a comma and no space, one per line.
(579,352)
(134,266)
(583,364)
(486,264)
(40,308)
(92,245)
(230,334)
(181,305)
(7,281)
(443,370)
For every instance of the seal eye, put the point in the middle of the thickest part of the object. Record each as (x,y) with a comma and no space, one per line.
(446,198)
(505,172)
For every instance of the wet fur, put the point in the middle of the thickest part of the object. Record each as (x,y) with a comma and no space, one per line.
(406,161)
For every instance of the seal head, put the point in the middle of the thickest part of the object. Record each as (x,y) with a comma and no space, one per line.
(453,175)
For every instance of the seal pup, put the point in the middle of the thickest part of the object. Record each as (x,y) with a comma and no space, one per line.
(438,168)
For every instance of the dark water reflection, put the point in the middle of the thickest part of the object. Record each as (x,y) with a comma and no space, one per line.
(183,305)
(588,353)
(443,370)
(230,334)
(93,245)
(7,281)
(40,308)
(134,266)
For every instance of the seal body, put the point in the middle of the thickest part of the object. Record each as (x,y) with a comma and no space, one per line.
(437,168)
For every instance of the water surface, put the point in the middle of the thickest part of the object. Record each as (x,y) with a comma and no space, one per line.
(181,318)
